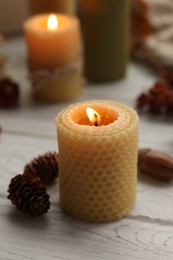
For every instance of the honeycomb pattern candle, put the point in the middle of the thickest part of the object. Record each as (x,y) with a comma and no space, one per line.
(97,159)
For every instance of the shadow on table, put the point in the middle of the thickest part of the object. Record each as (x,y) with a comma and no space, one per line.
(153,181)
(23,220)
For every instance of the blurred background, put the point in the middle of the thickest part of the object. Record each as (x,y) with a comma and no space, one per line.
(149,42)
(151,24)
(12,15)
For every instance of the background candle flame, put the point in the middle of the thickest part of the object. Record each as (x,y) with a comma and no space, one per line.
(93,116)
(52,22)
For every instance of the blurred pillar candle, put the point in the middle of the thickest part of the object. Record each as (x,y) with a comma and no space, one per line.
(97,159)
(52,6)
(54,55)
(105,26)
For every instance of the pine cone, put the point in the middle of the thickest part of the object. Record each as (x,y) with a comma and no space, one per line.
(45,167)
(158,99)
(9,93)
(28,194)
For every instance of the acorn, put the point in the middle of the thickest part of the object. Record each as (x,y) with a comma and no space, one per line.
(155,164)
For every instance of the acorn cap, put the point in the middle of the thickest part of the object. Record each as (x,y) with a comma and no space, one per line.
(156,164)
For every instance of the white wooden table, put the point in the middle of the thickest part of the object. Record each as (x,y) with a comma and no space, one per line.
(147,231)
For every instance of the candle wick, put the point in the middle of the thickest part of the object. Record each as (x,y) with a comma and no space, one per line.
(96,122)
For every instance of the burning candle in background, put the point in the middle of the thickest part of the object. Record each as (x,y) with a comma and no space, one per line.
(54,56)
(50,48)
(97,159)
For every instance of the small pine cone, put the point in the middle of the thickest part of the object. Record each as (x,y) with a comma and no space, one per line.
(143,101)
(28,194)
(168,76)
(9,93)
(169,104)
(44,166)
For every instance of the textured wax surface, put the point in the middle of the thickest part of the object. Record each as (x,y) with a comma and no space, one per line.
(98,165)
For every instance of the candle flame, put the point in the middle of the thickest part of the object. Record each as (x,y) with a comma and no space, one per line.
(52,22)
(93,116)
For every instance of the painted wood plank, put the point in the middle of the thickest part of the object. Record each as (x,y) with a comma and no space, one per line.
(147,231)
(58,236)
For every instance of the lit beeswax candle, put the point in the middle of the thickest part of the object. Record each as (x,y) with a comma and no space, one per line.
(53,43)
(97,159)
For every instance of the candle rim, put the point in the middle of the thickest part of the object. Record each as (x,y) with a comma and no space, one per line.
(103,103)
(32,22)
(127,119)
(111,113)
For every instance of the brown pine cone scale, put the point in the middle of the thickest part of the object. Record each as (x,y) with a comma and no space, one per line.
(28,194)
(44,166)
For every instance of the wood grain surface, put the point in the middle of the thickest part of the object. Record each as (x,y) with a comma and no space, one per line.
(29,130)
